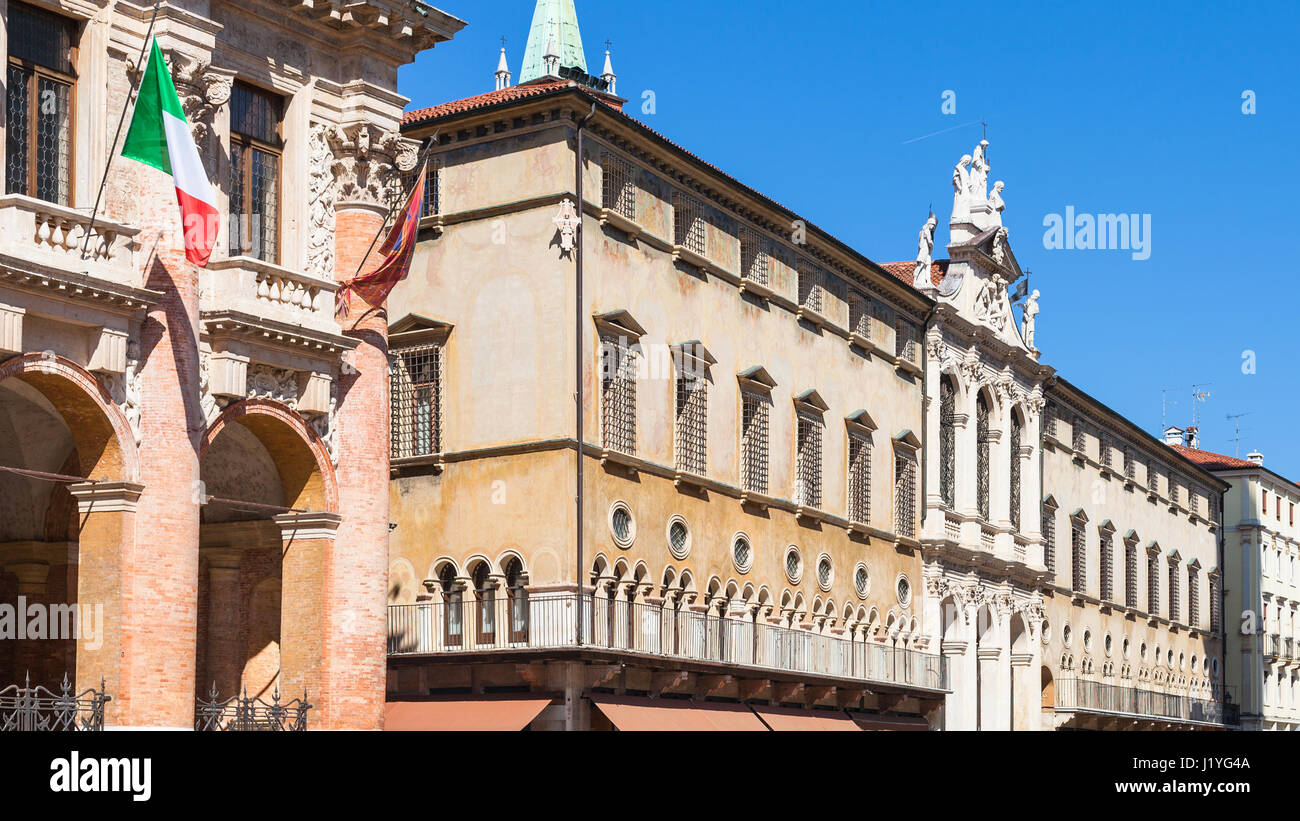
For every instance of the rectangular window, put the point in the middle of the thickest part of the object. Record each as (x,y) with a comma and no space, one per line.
(429,205)
(1193,599)
(1130,466)
(860,314)
(1214,605)
(255,148)
(812,282)
(904,340)
(617,395)
(1079,443)
(691,429)
(1173,488)
(39,87)
(688,222)
(859,478)
(1131,575)
(1050,419)
(1049,539)
(1079,556)
(1173,592)
(1107,453)
(1107,546)
(754,260)
(416,401)
(808,461)
(905,495)
(1153,583)
(755,409)
(618,192)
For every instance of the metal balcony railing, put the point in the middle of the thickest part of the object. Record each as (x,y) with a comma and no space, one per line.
(28,708)
(1095,696)
(1273,645)
(550,621)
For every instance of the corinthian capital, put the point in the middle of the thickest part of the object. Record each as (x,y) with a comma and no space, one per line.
(369,163)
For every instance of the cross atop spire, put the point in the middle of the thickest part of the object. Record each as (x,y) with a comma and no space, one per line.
(554,28)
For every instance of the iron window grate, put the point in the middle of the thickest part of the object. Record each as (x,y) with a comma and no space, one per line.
(754,260)
(1130,465)
(38,97)
(860,314)
(754,412)
(1153,584)
(618,193)
(1193,599)
(1173,591)
(692,423)
(904,340)
(1214,606)
(1131,575)
(811,285)
(618,395)
(859,479)
(1079,554)
(1107,566)
(1049,538)
(808,462)
(983,453)
(1016,467)
(688,222)
(904,495)
(948,443)
(1079,442)
(416,400)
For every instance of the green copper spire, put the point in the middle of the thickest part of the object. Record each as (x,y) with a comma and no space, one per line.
(555,27)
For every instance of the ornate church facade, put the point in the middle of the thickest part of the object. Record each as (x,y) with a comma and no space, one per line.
(193,463)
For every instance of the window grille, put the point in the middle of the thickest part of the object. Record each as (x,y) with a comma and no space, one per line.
(860,314)
(1194,499)
(1193,598)
(1107,566)
(754,413)
(618,395)
(1173,591)
(904,340)
(1153,583)
(1079,443)
(1173,488)
(1130,466)
(982,453)
(1049,538)
(1016,467)
(1079,556)
(859,479)
(811,284)
(688,222)
(753,256)
(255,147)
(1050,419)
(1107,453)
(1131,575)
(808,462)
(429,205)
(38,95)
(904,495)
(692,423)
(416,401)
(948,443)
(1215,623)
(618,193)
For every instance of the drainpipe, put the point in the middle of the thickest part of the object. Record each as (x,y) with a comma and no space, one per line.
(577,368)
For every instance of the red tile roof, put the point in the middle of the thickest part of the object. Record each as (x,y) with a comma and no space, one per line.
(505,95)
(902,271)
(1213,461)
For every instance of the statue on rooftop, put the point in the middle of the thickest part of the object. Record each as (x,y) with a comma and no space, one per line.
(924,249)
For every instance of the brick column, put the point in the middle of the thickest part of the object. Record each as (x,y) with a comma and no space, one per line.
(304,623)
(223,656)
(107,511)
(357,573)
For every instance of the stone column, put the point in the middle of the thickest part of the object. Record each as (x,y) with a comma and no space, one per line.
(107,511)
(995,688)
(309,549)
(959,705)
(222,646)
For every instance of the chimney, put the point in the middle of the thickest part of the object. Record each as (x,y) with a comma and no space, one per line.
(1192,437)
(1173,435)
(1256,457)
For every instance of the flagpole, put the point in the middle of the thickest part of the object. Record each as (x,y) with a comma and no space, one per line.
(392,210)
(112,149)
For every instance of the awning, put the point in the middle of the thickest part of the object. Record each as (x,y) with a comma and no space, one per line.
(891,723)
(633,714)
(464,714)
(785,719)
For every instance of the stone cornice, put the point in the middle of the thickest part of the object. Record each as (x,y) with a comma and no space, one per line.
(111,296)
(235,324)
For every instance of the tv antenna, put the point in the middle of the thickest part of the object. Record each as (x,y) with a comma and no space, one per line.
(1165,402)
(1199,395)
(1235,419)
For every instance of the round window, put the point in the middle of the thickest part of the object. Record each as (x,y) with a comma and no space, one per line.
(793,564)
(861,580)
(1110,644)
(622,525)
(1087,640)
(679,538)
(904,589)
(825,573)
(742,553)
(1067,635)
(1047,632)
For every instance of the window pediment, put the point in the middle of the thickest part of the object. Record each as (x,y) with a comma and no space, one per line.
(619,323)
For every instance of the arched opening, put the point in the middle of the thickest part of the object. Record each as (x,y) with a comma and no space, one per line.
(58,569)
(1047,686)
(261,473)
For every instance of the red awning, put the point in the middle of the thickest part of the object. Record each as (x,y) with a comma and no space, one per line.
(891,723)
(634,714)
(785,719)
(452,715)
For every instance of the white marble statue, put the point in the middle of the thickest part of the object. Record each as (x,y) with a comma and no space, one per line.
(566,222)
(1029,319)
(924,250)
(995,201)
(979,173)
(961,189)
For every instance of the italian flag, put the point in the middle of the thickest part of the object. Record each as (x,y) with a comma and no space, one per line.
(159,136)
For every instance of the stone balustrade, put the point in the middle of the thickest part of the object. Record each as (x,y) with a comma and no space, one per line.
(262,289)
(53,235)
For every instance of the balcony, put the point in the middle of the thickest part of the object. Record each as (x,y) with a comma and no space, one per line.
(255,288)
(52,236)
(541,622)
(1078,695)
(1272,647)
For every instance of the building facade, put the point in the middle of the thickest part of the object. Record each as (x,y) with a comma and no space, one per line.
(191,462)
(1262,544)
(739,523)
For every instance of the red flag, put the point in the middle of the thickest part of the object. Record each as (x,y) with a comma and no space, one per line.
(398,249)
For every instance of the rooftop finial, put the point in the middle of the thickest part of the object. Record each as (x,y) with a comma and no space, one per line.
(503,69)
(608,74)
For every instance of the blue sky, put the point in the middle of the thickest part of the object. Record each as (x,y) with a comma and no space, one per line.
(1105,107)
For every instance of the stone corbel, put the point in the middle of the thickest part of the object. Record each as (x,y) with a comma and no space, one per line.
(11,330)
(314,392)
(109,353)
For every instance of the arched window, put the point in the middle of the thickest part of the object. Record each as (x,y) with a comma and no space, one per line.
(486,610)
(1015,470)
(518,598)
(454,623)
(982,452)
(948,443)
